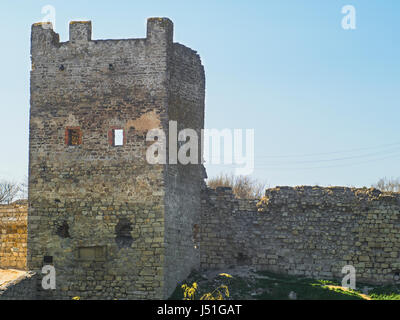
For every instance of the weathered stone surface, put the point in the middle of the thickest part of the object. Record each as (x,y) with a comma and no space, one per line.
(13,236)
(96,195)
(310,231)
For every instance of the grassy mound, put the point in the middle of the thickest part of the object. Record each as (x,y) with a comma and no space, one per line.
(245,284)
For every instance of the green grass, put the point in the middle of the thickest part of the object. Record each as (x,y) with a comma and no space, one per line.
(386,293)
(270,286)
(278,287)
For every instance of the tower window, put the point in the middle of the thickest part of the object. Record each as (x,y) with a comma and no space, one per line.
(116,137)
(123,233)
(73,136)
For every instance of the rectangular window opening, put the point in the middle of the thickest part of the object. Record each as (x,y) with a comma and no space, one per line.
(48,259)
(74,137)
(118,137)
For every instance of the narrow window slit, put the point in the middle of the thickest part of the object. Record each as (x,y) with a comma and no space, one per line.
(73,136)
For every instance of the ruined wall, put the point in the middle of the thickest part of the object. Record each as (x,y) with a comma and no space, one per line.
(307,231)
(13,235)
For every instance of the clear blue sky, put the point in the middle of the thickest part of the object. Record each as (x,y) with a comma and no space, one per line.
(324,101)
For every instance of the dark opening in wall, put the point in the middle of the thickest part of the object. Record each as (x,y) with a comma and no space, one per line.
(73,136)
(63,230)
(123,234)
(242,259)
(48,259)
(196,236)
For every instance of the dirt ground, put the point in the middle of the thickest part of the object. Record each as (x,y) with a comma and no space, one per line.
(8,275)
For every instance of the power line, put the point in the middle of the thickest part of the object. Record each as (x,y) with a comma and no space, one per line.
(326,167)
(390,151)
(393,155)
(333,152)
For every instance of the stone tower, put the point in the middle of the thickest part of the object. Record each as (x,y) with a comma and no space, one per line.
(113,225)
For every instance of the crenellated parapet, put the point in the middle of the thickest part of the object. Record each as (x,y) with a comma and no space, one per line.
(80,31)
(159,33)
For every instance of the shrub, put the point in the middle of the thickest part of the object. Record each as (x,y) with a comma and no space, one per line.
(385,184)
(8,191)
(243,187)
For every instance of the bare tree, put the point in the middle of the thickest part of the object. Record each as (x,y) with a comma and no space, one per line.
(8,191)
(23,193)
(243,187)
(388,184)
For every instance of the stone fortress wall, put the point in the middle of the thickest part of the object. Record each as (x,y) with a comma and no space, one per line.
(13,236)
(305,231)
(116,226)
